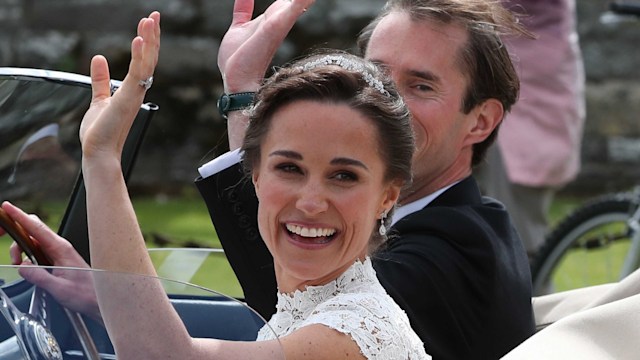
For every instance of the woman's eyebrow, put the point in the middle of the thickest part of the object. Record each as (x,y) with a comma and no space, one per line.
(337,161)
(349,162)
(287,153)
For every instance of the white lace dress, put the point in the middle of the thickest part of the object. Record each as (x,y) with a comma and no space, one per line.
(355,304)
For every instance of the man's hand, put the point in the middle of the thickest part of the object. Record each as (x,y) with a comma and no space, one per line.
(71,288)
(248,47)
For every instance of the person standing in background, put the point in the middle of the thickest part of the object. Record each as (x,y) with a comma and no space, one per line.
(538,147)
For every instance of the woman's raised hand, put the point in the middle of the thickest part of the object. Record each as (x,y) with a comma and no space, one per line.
(106,124)
(249,45)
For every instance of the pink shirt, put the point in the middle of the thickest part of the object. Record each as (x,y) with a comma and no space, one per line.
(540,138)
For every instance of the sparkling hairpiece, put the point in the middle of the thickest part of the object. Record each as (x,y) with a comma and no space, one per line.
(350,65)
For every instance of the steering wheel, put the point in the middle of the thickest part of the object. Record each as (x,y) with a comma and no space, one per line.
(34,339)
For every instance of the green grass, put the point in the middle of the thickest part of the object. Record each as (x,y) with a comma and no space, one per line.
(588,265)
(184,222)
(166,222)
(581,268)
(213,270)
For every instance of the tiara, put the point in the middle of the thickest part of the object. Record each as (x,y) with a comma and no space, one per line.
(350,65)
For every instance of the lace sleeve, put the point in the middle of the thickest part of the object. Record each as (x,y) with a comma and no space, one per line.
(379,327)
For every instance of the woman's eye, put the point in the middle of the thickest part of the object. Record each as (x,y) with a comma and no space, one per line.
(288,168)
(346,176)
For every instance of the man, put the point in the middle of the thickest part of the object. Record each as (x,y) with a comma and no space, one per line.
(455,263)
(538,149)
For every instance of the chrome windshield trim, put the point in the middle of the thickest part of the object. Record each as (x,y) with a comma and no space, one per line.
(53,75)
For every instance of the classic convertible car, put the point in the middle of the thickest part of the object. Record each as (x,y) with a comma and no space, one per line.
(40,114)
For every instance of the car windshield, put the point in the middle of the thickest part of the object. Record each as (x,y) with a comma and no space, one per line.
(40,160)
(39,146)
(47,327)
(40,163)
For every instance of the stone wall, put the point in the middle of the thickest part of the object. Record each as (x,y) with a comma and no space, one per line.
(611,145)
(64,34)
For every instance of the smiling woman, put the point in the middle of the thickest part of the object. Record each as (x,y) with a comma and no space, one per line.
(318,206)
(328,147)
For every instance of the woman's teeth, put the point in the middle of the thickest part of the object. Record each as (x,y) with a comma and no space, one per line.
(310,232)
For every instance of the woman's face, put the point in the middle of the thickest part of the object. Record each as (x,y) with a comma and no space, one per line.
(321,187)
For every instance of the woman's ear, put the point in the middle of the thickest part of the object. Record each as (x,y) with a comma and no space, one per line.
(254,179)
(391,196)
(487,117)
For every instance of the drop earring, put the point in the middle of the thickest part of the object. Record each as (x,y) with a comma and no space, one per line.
(383,229)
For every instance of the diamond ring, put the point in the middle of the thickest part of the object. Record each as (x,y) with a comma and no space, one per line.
(146,83)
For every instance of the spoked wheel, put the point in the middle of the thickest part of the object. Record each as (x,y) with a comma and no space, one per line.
(593,245)
(33,338)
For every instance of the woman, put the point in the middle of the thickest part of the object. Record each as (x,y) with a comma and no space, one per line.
(328,148)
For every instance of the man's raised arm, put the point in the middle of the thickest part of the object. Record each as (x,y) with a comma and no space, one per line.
(247,50)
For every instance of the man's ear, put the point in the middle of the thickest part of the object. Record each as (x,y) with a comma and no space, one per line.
(486,117)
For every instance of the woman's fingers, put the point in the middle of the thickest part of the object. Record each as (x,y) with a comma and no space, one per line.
(294,8)
(100,79)
(145,49)
(156,17)
(242,12)
(151,43)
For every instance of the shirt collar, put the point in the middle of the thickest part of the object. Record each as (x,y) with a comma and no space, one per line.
(408,209)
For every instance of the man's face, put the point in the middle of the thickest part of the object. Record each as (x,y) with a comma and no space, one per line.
(421,57)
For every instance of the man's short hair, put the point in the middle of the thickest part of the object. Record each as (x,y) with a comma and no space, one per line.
(484,60)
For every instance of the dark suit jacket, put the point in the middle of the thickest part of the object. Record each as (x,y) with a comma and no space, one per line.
(457,267)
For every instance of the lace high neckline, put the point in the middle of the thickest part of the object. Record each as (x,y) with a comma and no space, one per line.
(355,304)
(358,276)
